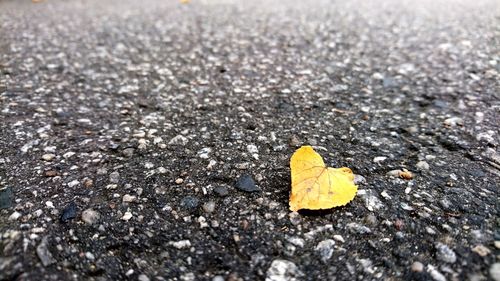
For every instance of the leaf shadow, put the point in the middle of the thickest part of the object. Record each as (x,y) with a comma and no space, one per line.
(317,213)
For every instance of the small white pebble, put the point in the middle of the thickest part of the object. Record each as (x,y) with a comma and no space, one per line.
(14,216)
(209,206)
(89,256)
(49,204)
(38,230)
(385,195)
(48,157)
(430,230)
(50,149)
(251,148)
(90,216)
(394,173)
(180,244)
(128,198)
(454,121)
(495,271)
(68,154)
(435,274)
(338,238)
(127,216)
(211,164)
(157,140)
(218,278)
(379,159)
(417,267)
(422,165)
(139,135)
(73,183)
(202,221)
(204,153)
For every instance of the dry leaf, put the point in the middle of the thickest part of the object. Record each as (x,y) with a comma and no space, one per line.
(315,186)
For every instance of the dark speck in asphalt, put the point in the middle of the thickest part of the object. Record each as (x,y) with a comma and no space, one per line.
(246,183)
(69,212)
(190,202)
(6,197)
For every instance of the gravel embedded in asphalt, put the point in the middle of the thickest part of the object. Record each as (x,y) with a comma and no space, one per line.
(144,114)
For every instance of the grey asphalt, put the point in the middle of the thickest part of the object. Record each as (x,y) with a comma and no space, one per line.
(124,126)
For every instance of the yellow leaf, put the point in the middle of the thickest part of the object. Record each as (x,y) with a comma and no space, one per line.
(316,186)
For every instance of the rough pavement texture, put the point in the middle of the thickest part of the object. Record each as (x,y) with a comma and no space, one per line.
(145,113)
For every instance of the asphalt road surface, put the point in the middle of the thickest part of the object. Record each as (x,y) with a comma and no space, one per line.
(124,126)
